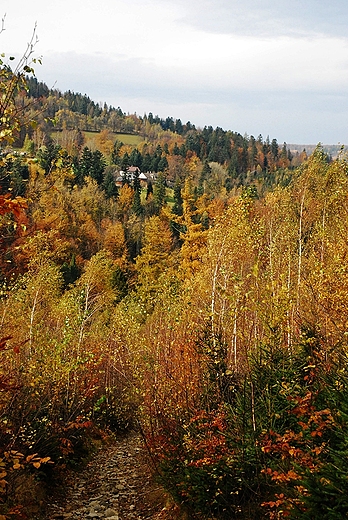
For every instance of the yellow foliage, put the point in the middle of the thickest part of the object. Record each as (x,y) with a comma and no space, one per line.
(114,239)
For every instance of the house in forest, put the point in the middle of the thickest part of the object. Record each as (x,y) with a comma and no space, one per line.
(128,176)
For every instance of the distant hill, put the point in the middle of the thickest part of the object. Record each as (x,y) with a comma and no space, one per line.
(331,149)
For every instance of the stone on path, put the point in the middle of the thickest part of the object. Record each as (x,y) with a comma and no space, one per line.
(115,485)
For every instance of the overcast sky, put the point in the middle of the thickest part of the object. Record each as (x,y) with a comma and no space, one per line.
(277,68)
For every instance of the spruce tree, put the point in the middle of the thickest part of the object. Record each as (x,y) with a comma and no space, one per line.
(109,185)
(177,208)
(160,191)
(137,207)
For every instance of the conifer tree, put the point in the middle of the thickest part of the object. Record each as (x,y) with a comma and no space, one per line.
(83,166)
(149,189)
(115,156)
(109,185)
(137,207)
(159,191)
(97,166)
(203,178)
(177,207)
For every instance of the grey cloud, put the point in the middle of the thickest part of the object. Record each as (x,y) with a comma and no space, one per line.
(103,74)
(301,116)
(269,17)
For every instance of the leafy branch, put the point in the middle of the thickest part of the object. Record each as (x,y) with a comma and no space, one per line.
(12,83)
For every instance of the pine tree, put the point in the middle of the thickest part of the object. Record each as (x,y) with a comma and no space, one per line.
(160,191)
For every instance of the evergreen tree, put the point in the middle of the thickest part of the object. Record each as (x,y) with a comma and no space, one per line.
(177,207)
(274,149)
(155,162)
(47,156)
(115,156)
(252,152)
(137,207)
(91,164)
(205,174)
(160,191)
(125,164)
(97,167)
(14,175)
(83,166)
(178,127)
(70,271)
(176,149)
(233,167)
(162,164)
(119,282)
(135,158)
(149,189)
(146,162)
(109,185)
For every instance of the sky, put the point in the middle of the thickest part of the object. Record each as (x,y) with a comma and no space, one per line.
(278,68)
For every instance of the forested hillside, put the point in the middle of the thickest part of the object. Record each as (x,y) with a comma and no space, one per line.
(206,306)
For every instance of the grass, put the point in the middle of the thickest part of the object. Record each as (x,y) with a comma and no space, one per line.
(130,139)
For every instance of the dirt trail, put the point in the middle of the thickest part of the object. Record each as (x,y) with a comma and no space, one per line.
(115,485)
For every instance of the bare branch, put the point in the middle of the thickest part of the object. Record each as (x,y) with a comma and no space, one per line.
(24,60)
(3,23)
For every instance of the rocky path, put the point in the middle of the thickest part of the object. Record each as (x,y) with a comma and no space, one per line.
(115,485)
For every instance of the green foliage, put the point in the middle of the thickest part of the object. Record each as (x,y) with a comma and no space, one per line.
(70,271)
(47,156)
(119,283)
(178,201)
(325,485)
(137,206)
(159,192)
(200,469)
(14,175)
(109,186)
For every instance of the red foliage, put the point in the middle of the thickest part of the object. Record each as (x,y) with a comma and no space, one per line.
(295,452)
(15,206)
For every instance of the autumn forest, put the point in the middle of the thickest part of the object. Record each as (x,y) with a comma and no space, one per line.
(190,283)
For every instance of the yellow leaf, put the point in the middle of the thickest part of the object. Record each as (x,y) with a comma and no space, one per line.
(36,464)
